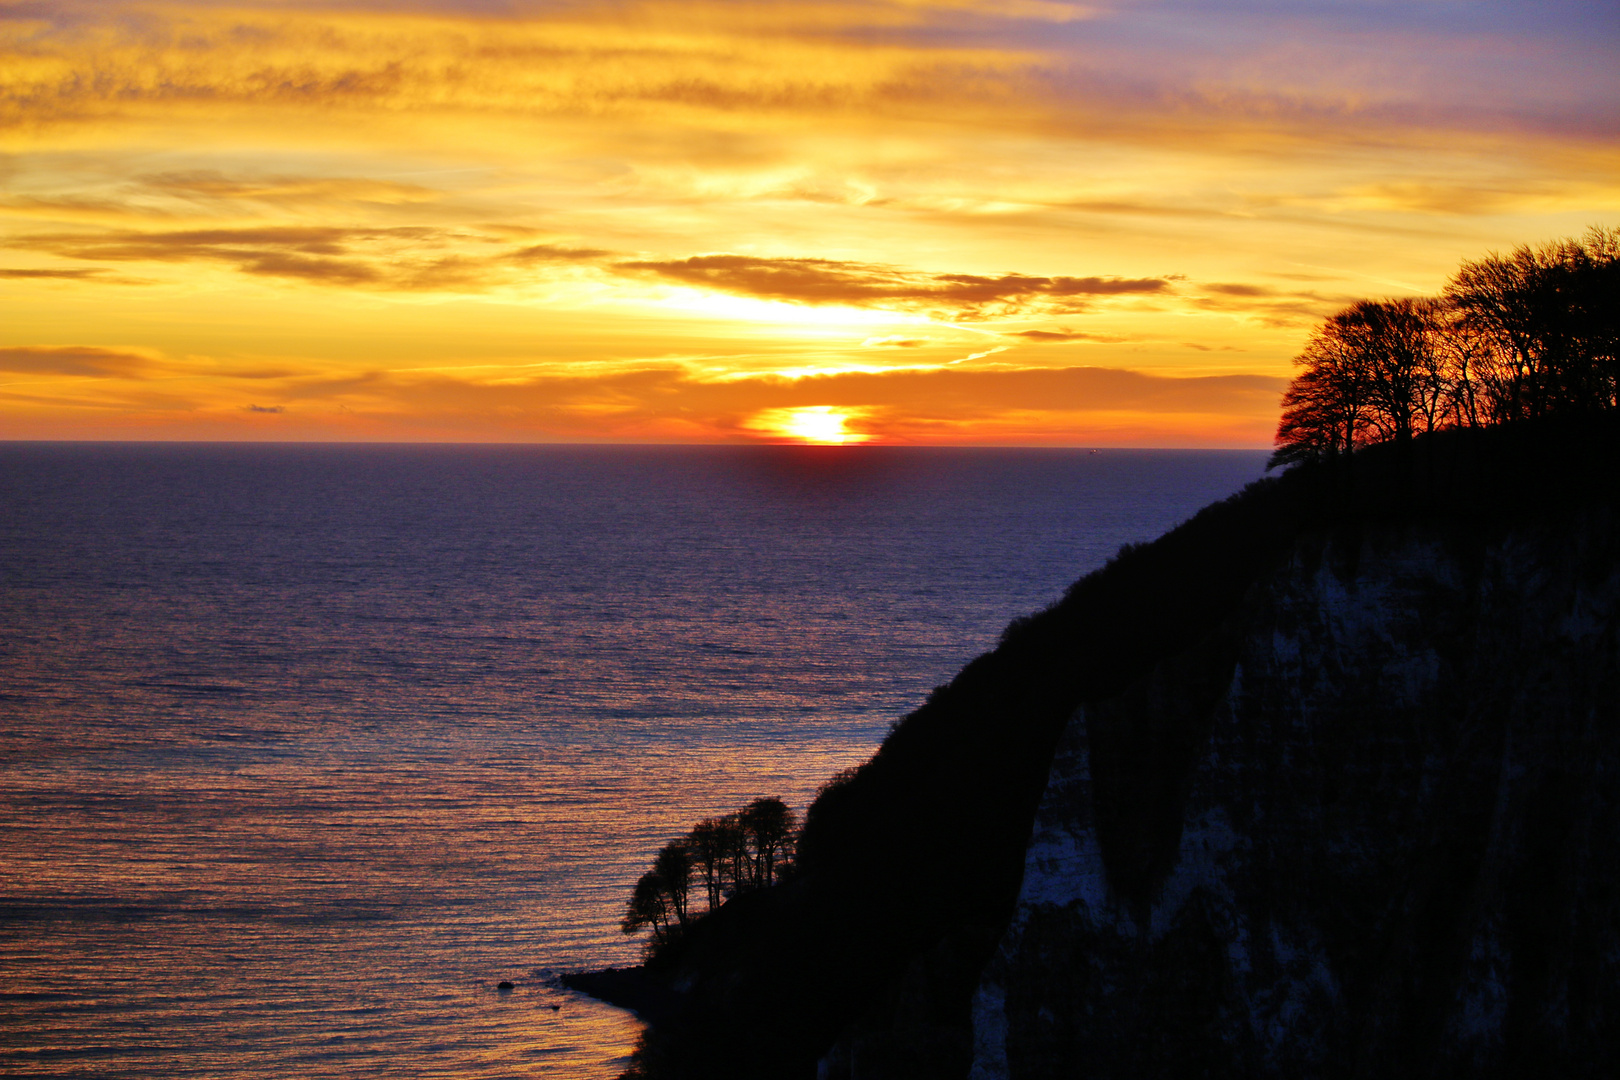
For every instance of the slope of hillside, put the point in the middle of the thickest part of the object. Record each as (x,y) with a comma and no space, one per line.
(870,960)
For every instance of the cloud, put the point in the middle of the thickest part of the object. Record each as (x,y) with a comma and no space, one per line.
(967,392)
(392,258)
(857,284)
(1266,305)
(425,258)
(671,401)
(104,193)
(27,274)
(210,184)
(981,355)
(1060,336)
(537,253)
(1239,290)
(895,341)
(658,402)
(1142,73)
(77,360)
(60,206)
(227,244)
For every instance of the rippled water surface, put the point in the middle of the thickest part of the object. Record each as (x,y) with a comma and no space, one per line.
(303,749)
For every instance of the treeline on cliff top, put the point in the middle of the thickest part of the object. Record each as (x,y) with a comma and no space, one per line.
(1530,335)
(908,867)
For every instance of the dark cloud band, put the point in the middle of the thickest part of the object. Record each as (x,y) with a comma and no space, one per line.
(826,281)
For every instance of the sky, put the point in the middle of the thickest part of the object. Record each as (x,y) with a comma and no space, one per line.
(983,222)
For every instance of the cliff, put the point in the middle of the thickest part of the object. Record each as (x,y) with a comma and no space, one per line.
(1320,783)
(1368,828)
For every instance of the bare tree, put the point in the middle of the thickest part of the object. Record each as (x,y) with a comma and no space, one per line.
(710,848)
(1384,371)
(673,866)
(1550,317)
(1465,371)
(739,859)
(1326,409)
(768,825)
(649,906)
(726,855)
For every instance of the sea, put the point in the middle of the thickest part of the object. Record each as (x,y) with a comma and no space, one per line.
(304,749)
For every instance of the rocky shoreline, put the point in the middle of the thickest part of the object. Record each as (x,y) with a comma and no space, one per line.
(626,988)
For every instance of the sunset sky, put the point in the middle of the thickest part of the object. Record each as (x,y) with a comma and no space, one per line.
(907,221)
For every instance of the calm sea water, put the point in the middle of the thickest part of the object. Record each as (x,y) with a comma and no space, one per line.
(303,749)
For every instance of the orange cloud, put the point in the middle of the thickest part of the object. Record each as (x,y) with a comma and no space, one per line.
(75,360)
(1076,405)
(214,185)
(1061,336)
(1268,306)
(1114,70)
(33,274)
(825,281)
(397,257)
(1052,404)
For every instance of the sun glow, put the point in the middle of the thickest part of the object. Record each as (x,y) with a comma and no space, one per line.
(820,424)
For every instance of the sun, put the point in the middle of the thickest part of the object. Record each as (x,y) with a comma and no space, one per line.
(820,424)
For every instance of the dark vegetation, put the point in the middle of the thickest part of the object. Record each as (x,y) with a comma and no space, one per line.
(1530,335)
(720,859)
(908,868)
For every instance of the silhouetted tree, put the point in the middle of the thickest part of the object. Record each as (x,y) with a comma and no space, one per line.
(710,846)
(1325,409)
(1550,318)
(727,855)
(1392,343)
(1464,358)
(673,868)
(1513,338)
(768,827)
(1374,372)
(649,906)
(1314,426)
(739,859)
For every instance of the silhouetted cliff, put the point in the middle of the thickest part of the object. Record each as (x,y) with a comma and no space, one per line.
(1380,839)
(1320,783)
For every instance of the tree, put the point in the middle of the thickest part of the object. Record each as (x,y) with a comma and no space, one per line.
(1465,371)
(1550,320)
(745,850)
(673,868)
(1381,371)
(768,827)
(1326,408)
(710,846)
(1391,344)
(739,860)
(1534,334)
(648,907)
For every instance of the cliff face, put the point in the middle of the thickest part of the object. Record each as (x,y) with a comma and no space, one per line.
(1366,828)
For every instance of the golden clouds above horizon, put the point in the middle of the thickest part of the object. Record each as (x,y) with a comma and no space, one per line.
(509,200)
(130,394)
